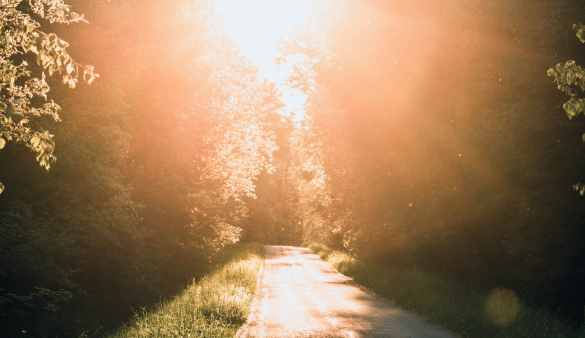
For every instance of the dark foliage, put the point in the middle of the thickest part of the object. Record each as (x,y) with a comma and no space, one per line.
(442,143)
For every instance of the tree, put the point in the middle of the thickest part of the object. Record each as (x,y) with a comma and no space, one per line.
(19,90)
(570,79)
(435,143)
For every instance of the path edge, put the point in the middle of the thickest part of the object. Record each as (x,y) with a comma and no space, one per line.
(243,330)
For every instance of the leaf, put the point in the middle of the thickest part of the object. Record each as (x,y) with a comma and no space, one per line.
(44,59)
(1,188)
(92,76)
(69,67)
(9,111)
(53,37)
(2,143)
(16,117)
(72,83)
(77,17)
(35,141)
(550,72)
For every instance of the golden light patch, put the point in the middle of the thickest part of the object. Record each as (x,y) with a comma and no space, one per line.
(502,306)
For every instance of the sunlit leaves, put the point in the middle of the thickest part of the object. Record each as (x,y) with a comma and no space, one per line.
(78,18)
(20,34)
(52,10)
(69,68)
(580,188)
(569,79)
(242,148)
(43,145)
(580,28)
(88,74)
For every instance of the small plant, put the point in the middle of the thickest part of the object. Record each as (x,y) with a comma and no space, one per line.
(320,249)
(216,306)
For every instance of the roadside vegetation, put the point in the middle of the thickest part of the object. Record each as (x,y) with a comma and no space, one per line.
(138,202)
(444,136)
(434,138)
(446,302)
(216,306)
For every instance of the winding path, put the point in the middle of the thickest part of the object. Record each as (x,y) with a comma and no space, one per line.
(300,295)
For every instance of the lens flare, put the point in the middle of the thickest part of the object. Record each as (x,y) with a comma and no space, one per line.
(502,306)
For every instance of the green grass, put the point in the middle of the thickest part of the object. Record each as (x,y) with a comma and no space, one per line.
(216,306)
(448,303)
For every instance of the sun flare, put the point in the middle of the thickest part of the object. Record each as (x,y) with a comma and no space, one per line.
(258,25)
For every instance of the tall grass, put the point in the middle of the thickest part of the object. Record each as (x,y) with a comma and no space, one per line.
(216,306)
(446,302)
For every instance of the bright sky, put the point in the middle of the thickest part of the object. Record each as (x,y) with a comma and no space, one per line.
(257,24)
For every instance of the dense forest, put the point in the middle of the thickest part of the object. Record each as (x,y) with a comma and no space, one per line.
(156,164)
(433,137)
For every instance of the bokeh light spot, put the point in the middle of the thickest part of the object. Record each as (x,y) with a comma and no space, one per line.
(502,306)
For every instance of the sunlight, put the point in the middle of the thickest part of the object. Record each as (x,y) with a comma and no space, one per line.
(258,26)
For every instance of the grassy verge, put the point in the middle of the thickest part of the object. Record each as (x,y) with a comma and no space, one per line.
(448,303)
(216,306)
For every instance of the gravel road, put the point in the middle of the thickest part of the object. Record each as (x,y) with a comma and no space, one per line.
(300,295)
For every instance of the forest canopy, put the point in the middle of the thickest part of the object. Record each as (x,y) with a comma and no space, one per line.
(432,138)
(156,157)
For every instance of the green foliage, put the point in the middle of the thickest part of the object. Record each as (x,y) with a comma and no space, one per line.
(320,249)
(273,219)
(139,203)
(20,34)
(431,141)
(569,79)
(216,306)
(442,155)
(49,300)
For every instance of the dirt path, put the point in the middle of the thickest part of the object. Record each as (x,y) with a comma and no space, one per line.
(300,295)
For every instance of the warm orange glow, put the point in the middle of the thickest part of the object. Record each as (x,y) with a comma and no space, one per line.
(258,25)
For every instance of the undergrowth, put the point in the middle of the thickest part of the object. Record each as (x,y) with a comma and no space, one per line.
(216,306)
(447,302)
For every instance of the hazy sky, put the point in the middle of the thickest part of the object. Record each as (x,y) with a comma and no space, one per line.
(257,24)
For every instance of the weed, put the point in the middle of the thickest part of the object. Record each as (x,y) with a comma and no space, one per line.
(216,306)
